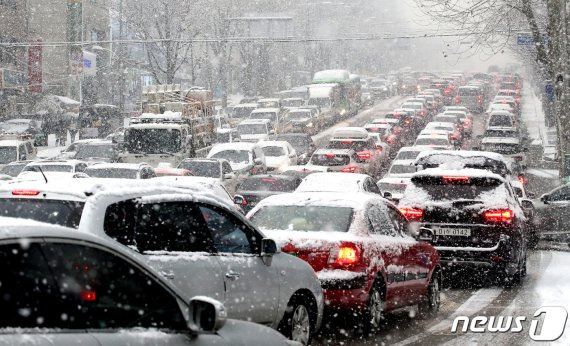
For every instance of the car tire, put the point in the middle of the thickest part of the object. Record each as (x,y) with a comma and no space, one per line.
(432,301)
(373,315)
(297,324)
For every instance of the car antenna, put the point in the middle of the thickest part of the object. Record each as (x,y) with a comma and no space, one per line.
(42,172)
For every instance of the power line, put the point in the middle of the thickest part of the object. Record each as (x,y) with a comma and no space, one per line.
(288,39)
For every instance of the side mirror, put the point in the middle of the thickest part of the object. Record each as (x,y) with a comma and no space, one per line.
(228,176)
(527,204)
(271,132)
(387,195)
(545,198)
(425,234)
(207,315)
(257,161)
(239,200)
(268,249)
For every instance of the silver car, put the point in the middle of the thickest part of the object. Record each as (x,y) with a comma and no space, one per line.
(79,289)
(192,237)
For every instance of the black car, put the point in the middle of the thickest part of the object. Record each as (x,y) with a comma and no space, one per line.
(258,187)
(301,142)
(475,220)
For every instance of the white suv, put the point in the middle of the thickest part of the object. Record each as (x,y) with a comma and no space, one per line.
(191,237)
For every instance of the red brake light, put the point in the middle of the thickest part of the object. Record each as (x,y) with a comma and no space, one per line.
(447,91)
(422,113)
(379,149)
(412,214)
(498,215)
(454,136)
(522,179)
(466,122)
(391,139)
(408,122)
(455,179)
(88,296)
(397,130)
(330,156)
(269,180)
(346,141)
(347,254)
(364,155)
(25,192)
(349,169)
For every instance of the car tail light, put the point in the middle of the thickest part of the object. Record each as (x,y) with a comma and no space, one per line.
(391,139)
(522,179)
(88,296)
(447,91)
(454,136)
(364,155)
(330,156)
(349,169)
(459,128)
(466,123)
(25,192)
(408,122)
(379,149)
(345,254)
(454,179)
(412,214)
(269,180)
(397,130)
(479,98)
(346,141)
(422,113)
(498,216)
(457,99)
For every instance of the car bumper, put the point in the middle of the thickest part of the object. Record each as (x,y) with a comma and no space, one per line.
(345,294)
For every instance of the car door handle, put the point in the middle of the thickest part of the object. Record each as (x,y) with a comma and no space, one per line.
(232,275)
(168,275)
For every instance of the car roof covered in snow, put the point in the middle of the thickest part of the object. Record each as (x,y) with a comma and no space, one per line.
(332,182)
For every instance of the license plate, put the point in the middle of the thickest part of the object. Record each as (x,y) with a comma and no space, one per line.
(452,231)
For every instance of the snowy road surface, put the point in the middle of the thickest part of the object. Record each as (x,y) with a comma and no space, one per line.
(546,284)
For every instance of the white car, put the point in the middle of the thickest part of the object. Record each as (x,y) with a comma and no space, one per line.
(409,153)
(278,155)
(244,158)
(393,188)
(401,169)
(114,298)
(436,141)
(185,233)
(53,169)
(120,171)
(219,169)
(255,130)
(338,182)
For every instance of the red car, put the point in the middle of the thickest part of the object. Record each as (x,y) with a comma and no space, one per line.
(361,249)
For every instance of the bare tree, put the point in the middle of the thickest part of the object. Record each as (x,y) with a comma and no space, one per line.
(167,28)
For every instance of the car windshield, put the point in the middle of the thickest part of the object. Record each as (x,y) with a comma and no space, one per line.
(501,120)
(402,169)
(299,115)
(49,168)
(319,101)
(152,141)
(349,144)
(274,151)
(92,151)
(501,133)
(58,212)
(432,141)
(393,188)
(252,129)
(12,170)
(304,218)
(202,168)
(407,155)
(330,160)
(299,143)
(232,155)
(242,112)
(8,154)
(114,173)
(469,92)
(268,184)
(267,115)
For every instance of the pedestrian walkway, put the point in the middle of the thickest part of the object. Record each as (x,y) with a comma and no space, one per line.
(533,114)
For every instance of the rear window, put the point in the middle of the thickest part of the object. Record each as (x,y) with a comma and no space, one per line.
(407,155)
(303,218)
(432,141)
(455,188)
(501,120)
(56,212)
(268,184)
(443,119)
(469,92)
(349,144)
(330,159)
(503,148)
(500,133)
(401,169)
(393,188)
(274,151)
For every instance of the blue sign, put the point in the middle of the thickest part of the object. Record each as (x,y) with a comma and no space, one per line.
(526,39)
(86,63)
(549,91)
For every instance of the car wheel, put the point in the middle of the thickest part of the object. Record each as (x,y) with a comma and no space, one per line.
(296,324)
(374,313)
(432,301)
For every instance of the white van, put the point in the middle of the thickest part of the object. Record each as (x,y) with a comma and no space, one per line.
(16,148)
(255,130)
